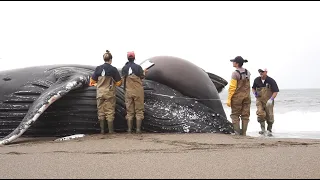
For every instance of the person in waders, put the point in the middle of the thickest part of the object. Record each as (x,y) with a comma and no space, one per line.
(239,98)
(106,77)
(132,75)
(265,90)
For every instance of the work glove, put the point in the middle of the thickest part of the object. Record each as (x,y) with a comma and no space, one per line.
(269,102)
(92,82)
(231,91)
(229,103)
(119,83)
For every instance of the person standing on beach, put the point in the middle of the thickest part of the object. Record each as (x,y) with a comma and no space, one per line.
(265,90)
(239,98)
(106,77)
(132,75)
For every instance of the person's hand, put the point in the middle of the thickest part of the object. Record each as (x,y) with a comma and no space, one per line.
(269,102)
(92,82)
(255,94)
(229,103)
(145,71)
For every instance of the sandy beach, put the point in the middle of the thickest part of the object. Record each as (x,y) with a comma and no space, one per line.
(161,156)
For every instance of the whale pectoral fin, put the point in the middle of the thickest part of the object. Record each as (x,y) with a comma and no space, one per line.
(48,97)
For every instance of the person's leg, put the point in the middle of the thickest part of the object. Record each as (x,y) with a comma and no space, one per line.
(139,110)
(270,118)
(236,108)
(101,114)
(261,115)
(245,115)
(130,111)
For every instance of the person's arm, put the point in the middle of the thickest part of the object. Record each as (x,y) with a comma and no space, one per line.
(232,90)
(254,87)
(274,95)
(142,72)
(275,89)
(94,78)
(232,87)
(123,71)
(117,77)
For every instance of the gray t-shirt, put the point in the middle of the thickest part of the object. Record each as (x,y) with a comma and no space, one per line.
(236,75)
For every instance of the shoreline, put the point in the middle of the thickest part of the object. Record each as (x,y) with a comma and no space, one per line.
(302,135)
(162,155)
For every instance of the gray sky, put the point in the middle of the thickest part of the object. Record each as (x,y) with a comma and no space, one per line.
(281,36)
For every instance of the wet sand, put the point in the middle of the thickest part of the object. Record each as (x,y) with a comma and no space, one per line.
(161,156)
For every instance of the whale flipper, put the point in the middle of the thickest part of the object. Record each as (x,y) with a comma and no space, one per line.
(219,82)
(47,97)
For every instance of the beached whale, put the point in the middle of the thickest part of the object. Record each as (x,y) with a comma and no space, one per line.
(55,100)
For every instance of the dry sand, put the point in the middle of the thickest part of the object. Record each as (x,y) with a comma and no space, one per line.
(161,156)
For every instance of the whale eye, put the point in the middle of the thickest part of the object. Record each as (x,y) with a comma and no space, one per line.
(6,79)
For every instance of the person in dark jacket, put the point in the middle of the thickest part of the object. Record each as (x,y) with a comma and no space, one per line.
(132,75)
(265,90)
(106,77)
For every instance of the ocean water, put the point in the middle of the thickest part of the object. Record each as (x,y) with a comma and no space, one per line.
(296,113)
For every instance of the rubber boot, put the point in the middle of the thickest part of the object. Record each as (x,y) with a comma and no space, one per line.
(138,123)
(269,128)
(110,127)
(244,127)
(263,127)
(102,126)
(236,127)
(130,124)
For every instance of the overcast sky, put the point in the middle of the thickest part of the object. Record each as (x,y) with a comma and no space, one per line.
(281,36)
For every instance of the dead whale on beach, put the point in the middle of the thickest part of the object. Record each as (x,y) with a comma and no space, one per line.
(55,100)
